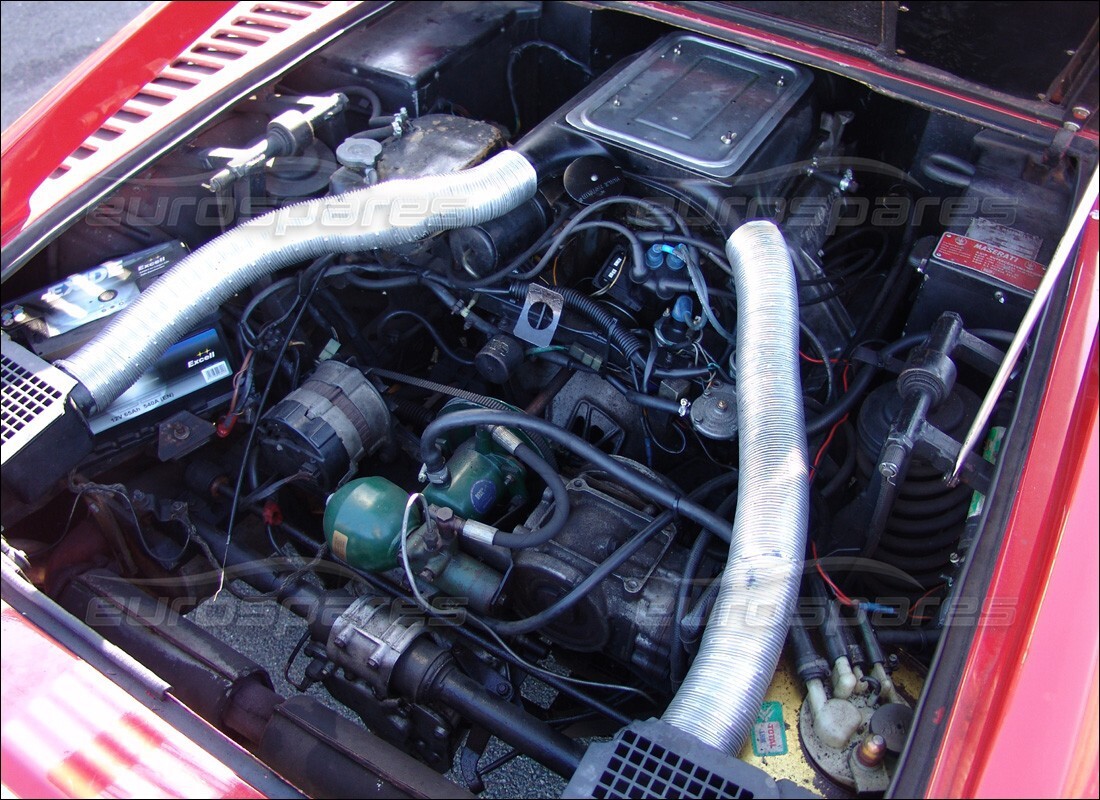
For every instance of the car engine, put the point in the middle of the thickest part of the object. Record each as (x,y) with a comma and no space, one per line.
(584,389)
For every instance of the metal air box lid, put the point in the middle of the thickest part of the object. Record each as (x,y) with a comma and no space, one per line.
(700,104)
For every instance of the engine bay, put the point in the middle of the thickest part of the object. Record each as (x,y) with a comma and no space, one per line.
(584,390)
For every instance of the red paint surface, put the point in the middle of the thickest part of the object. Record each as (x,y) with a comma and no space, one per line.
(62,120)
(1029,690)
(996,262)
(69,731)
(1028,695)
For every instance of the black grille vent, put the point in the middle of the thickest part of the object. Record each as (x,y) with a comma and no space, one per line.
(653,759)
(43,435)
(26,398)
(643,768)
(33,396)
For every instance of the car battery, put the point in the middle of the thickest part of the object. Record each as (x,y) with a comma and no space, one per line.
(193,374)
(57,320)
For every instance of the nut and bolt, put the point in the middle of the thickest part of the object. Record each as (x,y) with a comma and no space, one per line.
(871,751)
(999,296)
(677,50)
(728,137)
(1081,112)
(781,82)
(179,431)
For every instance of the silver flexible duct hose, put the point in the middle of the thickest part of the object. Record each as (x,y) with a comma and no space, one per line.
(721,695)
(388,214)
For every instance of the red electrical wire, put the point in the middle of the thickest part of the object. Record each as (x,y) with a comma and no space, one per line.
(840,595)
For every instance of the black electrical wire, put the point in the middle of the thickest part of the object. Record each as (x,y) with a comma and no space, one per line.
(513,57)
(642,484)
(862,380)
(823,355)
(425,323)
(847,467)
(321,266)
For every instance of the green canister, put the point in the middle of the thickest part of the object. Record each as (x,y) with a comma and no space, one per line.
(363,523)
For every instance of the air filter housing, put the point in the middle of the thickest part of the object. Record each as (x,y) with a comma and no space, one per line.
(43,433)
(702,105)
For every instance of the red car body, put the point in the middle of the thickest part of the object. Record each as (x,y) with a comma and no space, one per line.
(1027,693)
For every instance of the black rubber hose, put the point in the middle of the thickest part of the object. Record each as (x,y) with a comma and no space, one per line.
(558,518)
(454,304)
(909,638)
(897,280)
(807,663)
(434,460)
(605,568)
(431,330)
(870,641)
(683,592)
(363,93)
(847,467)
(830,628)
(664,404)
(377,134)
(500,717)
(863,378)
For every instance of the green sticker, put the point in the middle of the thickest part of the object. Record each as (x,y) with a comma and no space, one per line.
(769,734)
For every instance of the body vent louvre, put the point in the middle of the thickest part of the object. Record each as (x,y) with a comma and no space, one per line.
(42,434)
(654,759)
(230,48)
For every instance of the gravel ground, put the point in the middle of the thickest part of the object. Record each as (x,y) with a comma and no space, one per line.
(267,633)
(41,42)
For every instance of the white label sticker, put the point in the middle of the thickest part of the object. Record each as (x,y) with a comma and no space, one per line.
(215,372)
(1014,241)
